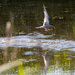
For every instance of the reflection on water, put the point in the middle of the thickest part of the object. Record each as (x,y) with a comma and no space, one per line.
(30,44)
(46,57)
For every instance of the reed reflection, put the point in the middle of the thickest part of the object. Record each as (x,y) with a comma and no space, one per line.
(6,48)
(8,34)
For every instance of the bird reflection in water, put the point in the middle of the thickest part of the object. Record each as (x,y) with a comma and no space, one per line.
(46,58)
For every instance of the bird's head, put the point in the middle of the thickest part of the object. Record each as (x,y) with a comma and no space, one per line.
(53,26)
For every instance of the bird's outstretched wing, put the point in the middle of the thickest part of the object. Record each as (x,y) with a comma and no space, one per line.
(46,17)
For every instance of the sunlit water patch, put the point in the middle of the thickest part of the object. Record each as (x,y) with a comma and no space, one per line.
(33,40)
(30,53)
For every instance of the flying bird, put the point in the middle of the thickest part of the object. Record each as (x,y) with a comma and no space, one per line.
(46,24)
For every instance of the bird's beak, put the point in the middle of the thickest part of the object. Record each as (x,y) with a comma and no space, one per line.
(54,29)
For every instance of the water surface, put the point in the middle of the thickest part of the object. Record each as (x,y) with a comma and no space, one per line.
(32,43)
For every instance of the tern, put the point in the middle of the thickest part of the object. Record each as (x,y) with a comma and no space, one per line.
(46,24)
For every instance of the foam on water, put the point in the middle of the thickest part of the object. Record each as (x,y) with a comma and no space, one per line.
(30,41)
